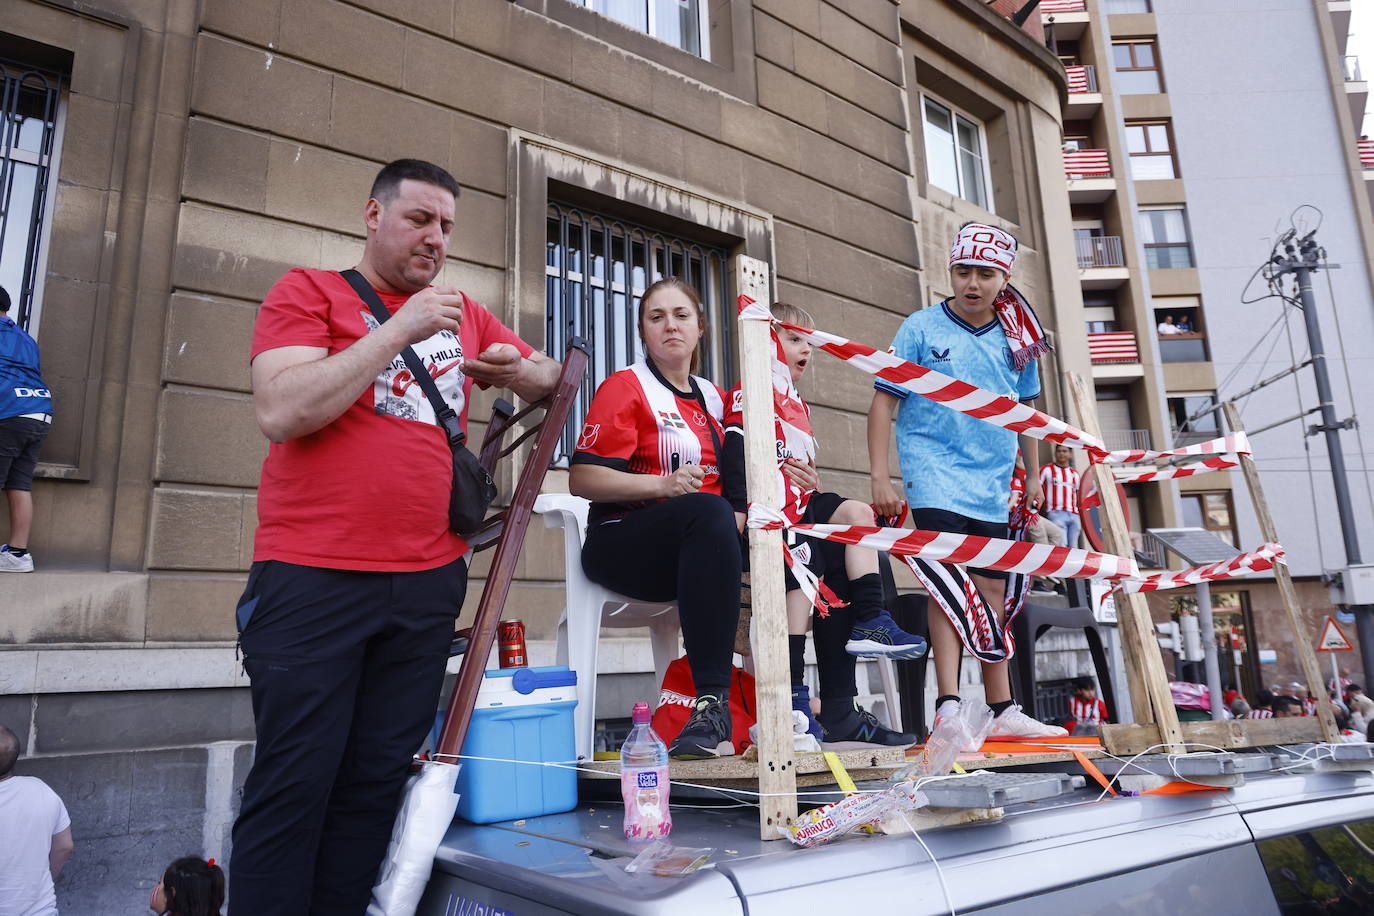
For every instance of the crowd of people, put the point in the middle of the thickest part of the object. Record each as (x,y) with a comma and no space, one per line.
(1352,709)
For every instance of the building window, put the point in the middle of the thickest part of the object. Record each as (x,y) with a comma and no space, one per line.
(680,23)
(1211,511)
(1164,232)
(1151,150)
(1137,67)
(1126,6)
(1190,418)
(30,120)
(596,268)
(955,153)
(1179,324)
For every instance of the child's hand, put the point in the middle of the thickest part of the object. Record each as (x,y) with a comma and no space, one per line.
(686,479)
(1034,494)
(885,498)
(802,474)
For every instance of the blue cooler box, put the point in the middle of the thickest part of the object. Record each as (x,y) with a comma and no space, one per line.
(521,714)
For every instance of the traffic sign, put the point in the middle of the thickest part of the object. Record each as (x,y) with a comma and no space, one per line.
(1332,639)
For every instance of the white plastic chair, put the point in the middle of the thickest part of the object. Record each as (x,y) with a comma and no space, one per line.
(590,607)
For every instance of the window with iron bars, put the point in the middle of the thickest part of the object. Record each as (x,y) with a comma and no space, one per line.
(596,268)
(30,108)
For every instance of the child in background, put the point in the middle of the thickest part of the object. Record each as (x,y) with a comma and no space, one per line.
(1086,710)
(864,627)
(191,886)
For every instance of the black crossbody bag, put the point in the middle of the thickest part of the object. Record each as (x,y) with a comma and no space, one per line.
(473,489)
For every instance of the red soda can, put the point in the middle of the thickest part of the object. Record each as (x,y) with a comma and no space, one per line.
(511,636)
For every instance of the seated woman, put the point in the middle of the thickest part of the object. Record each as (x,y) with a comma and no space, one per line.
(658,528)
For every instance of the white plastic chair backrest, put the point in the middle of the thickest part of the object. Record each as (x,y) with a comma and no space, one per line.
(563,510)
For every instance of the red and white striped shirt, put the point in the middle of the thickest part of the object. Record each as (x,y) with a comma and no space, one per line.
(1061,487)
(1087,712)
(1260,713)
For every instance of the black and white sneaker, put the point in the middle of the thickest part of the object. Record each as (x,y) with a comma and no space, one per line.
(862,727)
(707,733)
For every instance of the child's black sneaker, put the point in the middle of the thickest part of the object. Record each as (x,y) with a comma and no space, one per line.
(707,732)
(861,726)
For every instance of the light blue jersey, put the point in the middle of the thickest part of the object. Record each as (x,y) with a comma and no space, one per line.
(950,460)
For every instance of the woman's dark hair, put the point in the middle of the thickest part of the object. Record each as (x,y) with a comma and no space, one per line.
(194,887)
(687,290)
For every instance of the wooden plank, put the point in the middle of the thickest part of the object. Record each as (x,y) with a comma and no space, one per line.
(1149,686)
(1230,734)
(1307,655)
(745,769)
(772,673)
(981,761)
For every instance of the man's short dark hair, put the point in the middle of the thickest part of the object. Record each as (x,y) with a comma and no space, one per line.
(388,180)
(4,301)
(1282,702)
(9,751)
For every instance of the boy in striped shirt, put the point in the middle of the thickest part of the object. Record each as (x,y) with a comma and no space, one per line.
(1059,482)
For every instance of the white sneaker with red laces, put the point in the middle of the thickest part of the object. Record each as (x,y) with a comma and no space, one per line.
(1013,723)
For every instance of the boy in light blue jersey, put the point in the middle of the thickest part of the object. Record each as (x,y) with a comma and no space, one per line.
(956,469)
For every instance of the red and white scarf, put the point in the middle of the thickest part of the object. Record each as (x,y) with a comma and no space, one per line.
(981,245)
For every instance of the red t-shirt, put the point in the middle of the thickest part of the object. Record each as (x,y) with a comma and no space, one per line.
(369,491)
(637,423)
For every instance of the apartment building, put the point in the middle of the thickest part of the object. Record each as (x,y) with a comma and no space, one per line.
(173,159)
(1196,133)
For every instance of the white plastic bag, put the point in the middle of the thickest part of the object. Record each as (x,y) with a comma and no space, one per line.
(953,736)
(427,808)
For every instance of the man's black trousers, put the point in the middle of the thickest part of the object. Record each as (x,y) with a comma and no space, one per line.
(346,671)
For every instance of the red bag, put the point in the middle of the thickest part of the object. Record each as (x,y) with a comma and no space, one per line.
(679,695)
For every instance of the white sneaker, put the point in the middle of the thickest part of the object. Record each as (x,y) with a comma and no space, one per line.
(10,563)
(1013,723)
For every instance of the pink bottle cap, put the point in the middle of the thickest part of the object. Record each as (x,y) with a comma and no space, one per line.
(641,714)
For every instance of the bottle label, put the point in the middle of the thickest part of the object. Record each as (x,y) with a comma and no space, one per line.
(648,779)
(645,793)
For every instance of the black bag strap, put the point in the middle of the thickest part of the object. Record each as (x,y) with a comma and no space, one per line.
(447,417)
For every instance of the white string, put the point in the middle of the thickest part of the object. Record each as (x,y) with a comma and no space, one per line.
(939,872)
(1172,765)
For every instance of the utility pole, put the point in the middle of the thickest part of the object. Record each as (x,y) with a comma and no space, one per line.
(1302,257)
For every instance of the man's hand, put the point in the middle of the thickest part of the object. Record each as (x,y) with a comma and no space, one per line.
(885,498)
(686,479)
(431,310)
(497,365)
(802,474)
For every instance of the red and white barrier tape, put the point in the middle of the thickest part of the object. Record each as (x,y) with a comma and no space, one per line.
(1141,475)
(1234,444)
(996,409)
(962,549)
(1257,560)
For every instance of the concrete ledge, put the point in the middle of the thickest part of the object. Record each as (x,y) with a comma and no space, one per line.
(46,671)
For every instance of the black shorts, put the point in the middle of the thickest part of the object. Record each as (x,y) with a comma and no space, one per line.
(818,556)
(944,520)
(21,438)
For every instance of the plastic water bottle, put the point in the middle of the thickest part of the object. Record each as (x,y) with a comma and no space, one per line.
(644,780)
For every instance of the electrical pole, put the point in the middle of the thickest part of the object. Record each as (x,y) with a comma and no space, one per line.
(1301,257)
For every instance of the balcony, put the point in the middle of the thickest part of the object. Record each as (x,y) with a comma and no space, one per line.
(1101,264)
(1089,172)
(1067,18)
(1084,98)
(1184,347)
(1108,347)
(1367,157)
(1340,21)
(1356,89)
(1121,439)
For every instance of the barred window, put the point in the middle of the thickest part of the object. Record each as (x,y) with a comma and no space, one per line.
(29,124)
(596,268)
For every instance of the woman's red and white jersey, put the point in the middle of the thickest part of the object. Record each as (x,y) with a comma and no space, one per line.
(640,424)
(1259,712)
(792,437)
(1060,486)
(1087,712)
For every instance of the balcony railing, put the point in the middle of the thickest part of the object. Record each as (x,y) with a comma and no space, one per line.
(1099,251)
(1367,154)
(1107,347)
(1062,6)
(1087,163)
(1082,79)
(1352,69)
(1126,6)
(1119,439)
(1188,347)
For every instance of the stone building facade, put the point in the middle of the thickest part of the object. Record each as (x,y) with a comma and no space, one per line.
(206,148)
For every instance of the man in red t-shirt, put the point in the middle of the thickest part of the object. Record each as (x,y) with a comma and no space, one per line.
(356,580)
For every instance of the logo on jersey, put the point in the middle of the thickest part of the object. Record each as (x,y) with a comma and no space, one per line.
(588,437)
(802,553)
(737,400)
(940,356)
(671,419)
(699,418)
